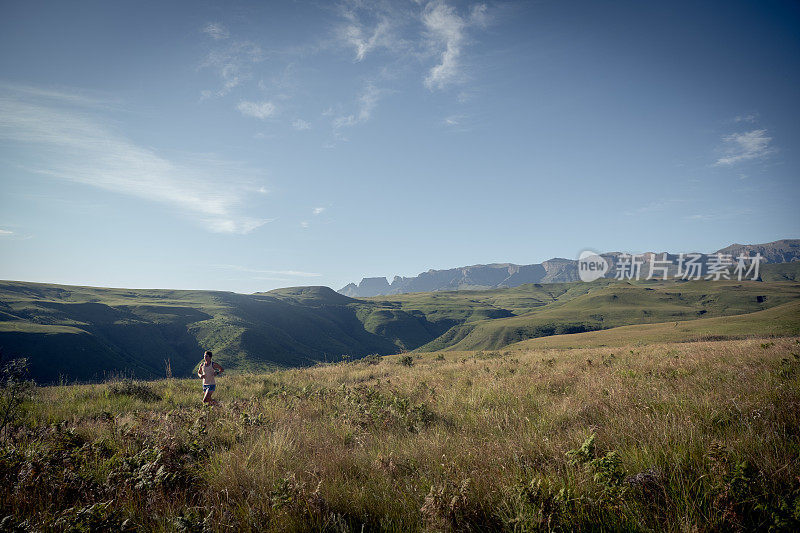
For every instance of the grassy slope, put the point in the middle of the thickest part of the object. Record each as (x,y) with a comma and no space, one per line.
(467,441)
(588,307)
(778,321)
(781,272)
(476,305)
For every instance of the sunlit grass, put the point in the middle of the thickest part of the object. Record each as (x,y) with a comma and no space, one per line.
(458,440)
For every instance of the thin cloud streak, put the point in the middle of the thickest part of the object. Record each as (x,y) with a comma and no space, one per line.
(749,118)
(447,32)
(291,273)
(355,36)
(216,30)
(78,99)
(745,146)
(367,102)
(261,110)
(232,63)
(301,125)
(78,146)
(370,26)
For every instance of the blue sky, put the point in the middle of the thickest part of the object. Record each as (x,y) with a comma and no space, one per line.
(252,145)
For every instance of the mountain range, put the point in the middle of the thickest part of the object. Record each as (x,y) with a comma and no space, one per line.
(556,270)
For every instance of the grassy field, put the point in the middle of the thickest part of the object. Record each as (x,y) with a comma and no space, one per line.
(692,436)
(779,321)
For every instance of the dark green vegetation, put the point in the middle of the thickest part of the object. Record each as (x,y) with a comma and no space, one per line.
(86,333)
(89,333)
(697,436)
(782,272)
(779,321)
(602,305)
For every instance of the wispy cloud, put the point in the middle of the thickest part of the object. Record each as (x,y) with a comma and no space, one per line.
(260,110)
(448,33)
(748,118)
(301,125)
(291,273)
(216,30)
(78,145)
(72,97)
(5,232)
(232,63)
(410,33)
(365,40)
(368,26)
(318,210)
(453,120)
(655,207)
(721,215)
(367,101)
(746,146)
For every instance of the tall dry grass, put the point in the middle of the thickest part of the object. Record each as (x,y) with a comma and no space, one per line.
(697,436)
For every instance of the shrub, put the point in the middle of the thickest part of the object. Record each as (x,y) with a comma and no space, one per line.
(371,359)
(607,470)
(15,389)
(534,506)
(448,506)
(135,389)
(585,453)
(407,360)
(97,517)
(192,520)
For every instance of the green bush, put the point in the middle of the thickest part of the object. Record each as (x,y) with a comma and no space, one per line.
(15,389)
(372,359)
(135,389)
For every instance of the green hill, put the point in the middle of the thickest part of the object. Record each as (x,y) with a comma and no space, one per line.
(496,318)
(781,272)
(89,333)
(589,307)
(779,321)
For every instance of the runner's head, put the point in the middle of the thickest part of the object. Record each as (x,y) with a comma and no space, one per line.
(207,356)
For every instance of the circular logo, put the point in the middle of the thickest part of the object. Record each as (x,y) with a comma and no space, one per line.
(591,266)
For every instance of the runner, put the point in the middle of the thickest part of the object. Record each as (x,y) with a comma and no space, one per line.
(209,370)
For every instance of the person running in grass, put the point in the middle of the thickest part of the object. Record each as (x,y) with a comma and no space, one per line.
(209,370)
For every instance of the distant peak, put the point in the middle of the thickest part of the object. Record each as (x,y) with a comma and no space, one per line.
(554,270)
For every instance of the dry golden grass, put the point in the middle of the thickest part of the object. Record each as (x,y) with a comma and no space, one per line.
(456,441)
